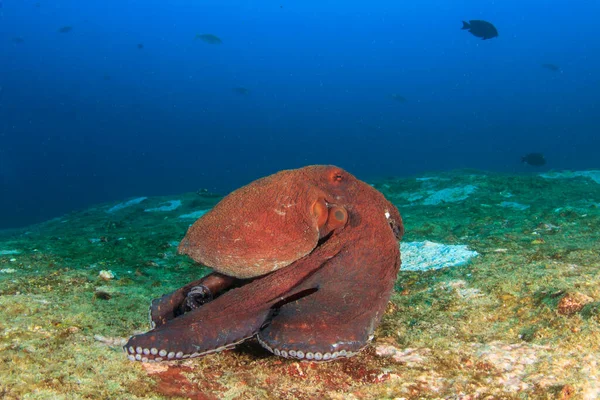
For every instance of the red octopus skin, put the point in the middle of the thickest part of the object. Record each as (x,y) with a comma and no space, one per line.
(304,259)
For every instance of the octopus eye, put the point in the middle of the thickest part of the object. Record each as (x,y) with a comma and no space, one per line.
(338,216)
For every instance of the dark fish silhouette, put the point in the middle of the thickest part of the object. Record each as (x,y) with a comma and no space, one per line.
(241,90)
(65,29)
(140,46)
(551,67)
(210,39)
(480,28)
(534,159)
(398,98)
(18,40)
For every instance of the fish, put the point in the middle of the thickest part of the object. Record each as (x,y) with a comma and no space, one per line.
(140,46)
(398,98)
(65,29)
(551,67)
(208,38)
(18,40)
(241,90)
(534,159)
(480,28)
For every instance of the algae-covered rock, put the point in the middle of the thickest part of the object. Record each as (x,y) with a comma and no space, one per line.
(480,311)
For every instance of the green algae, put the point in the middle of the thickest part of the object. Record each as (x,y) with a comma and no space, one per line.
(62,325)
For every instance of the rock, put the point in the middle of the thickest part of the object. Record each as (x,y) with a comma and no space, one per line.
(107,275)
(409,357)
(572,303)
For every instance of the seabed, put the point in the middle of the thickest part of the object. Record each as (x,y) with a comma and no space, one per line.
(519,320)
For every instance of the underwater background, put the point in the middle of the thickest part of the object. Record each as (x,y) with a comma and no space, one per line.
(101,101)
(122,123)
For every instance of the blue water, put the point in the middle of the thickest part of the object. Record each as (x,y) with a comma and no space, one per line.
(87,117)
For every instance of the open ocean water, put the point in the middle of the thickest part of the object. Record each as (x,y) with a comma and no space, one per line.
(104,100)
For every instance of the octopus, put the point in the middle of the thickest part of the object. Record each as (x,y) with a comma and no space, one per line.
(303,260)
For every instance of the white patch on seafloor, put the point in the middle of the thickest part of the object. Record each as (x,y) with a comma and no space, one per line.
(8,271)
(512,204)
(449,195)
(193,215)
(591,174)
(461,288)
(411,357)
(430,178)
(126,204)
(408,196)
(414,197)
(425,256)
(106,275)
(167,206)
